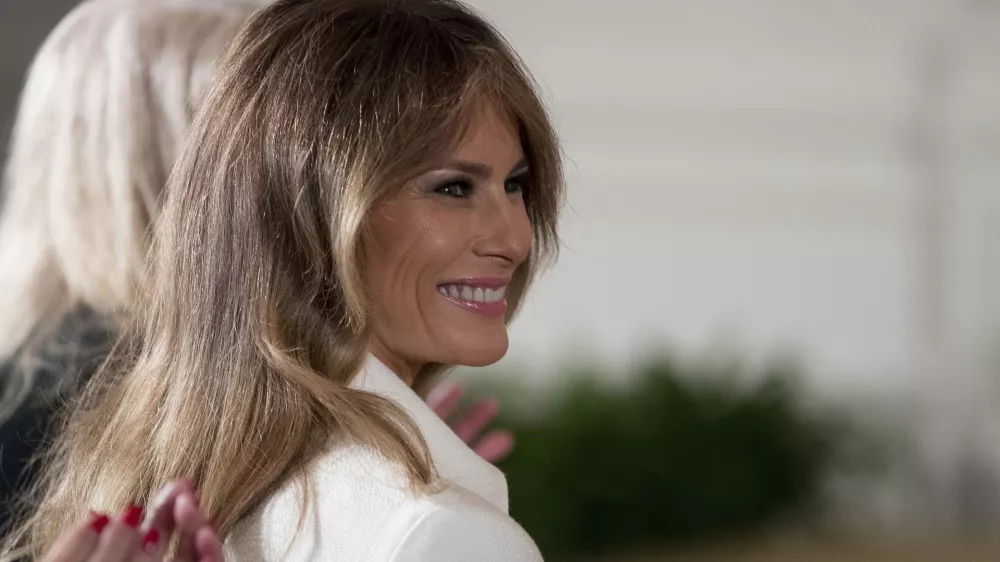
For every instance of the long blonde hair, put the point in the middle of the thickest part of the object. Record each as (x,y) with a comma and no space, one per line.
(255,316)
(106,105)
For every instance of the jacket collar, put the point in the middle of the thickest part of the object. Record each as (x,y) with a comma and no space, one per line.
(453,459)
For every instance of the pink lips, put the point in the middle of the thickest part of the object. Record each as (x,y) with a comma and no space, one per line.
(488,285)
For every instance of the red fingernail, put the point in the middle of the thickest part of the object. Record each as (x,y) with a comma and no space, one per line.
(133,515)
(150,541)
(98,522)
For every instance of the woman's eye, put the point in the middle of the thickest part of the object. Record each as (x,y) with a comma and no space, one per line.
(458,189)
(514,185)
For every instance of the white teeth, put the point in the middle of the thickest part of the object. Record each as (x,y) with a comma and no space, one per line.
(475,294)
(494,295)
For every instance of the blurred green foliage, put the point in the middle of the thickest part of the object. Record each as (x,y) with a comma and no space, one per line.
(681,453)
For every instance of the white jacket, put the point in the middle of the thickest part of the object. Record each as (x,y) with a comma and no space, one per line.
(361,509)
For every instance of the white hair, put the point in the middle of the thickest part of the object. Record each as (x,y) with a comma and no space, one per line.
(104,111)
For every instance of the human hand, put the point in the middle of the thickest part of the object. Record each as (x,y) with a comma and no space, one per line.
(123,539)
(492,446)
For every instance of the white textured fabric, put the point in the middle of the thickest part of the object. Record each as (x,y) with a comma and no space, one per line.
(360,507)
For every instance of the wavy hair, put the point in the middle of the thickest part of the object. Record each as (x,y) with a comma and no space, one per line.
(255,316)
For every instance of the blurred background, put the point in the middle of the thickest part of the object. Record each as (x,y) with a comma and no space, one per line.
(771,333)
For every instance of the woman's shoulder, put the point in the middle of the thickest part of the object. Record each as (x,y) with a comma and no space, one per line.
(455,525)
(355,505)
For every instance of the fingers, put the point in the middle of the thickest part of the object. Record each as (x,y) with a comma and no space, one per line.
(197,539)
(444,398)
(80,542)
(207,545)
(495,445)
(160,521)
(120,539)
(176,510)
(161,513)
(478,417)
(190,521)
(153,547)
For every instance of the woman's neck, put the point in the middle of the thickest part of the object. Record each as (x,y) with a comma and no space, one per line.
(406,371)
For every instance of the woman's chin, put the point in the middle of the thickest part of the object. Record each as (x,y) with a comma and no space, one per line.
(481,352)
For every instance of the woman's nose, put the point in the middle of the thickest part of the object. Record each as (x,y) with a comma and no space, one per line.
(506,229)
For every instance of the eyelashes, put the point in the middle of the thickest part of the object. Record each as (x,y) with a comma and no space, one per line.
(516,184)
(464,188)
(458,189)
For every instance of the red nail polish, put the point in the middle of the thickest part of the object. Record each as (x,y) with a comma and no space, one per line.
(150,541)
(98,522)
(133,515)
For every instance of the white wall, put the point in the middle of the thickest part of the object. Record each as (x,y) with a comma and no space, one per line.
(772,169)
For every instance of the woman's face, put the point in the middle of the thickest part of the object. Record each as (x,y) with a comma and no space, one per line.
(442,251)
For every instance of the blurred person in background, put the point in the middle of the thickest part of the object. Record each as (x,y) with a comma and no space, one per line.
(104,112)
(363,201)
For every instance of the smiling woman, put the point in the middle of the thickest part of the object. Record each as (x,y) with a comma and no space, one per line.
(364,198)
(445,248)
